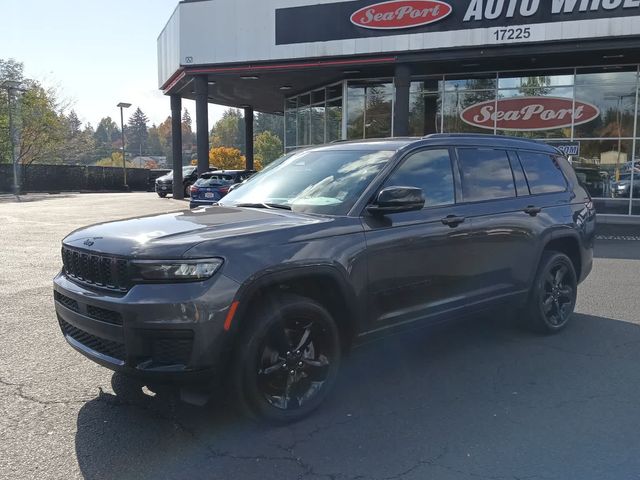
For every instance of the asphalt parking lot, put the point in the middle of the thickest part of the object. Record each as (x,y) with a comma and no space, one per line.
(475,400)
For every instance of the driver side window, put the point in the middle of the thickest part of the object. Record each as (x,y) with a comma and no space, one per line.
(429,170)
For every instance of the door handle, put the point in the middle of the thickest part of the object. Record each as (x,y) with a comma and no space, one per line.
(533,211)
(453,221)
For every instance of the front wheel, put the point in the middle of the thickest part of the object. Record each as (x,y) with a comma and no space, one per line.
(187,191)
(553,298)
(287,360)
(162,195)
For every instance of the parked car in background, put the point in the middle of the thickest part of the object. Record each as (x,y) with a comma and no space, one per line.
(622,188)
(594,180)
(213,186)
(332,247)
(155,174)
(164,185)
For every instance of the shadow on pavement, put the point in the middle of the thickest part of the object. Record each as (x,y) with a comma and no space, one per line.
(478,399)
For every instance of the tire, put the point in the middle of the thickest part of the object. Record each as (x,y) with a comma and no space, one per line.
(553,296)
(162,195)
(187,191)
(287,360)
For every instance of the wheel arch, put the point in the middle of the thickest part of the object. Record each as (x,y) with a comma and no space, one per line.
(567,243)
(325,284)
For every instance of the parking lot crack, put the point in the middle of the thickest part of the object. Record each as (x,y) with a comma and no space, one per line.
(19,391)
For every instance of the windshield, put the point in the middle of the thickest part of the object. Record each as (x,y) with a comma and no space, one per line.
(317,181)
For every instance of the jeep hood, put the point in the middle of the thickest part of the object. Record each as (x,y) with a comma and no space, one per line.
(171,235)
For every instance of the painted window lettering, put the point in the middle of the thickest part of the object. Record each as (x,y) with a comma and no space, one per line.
(529,113)
(398,14)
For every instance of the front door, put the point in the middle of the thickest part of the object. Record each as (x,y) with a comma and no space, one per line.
(418,260)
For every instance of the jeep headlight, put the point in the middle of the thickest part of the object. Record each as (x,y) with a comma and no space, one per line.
(176,270)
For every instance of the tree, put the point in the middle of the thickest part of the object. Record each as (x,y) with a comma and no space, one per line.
(229,130)
(137,132)
(268,122)
(9,70)
(227,158)
(42,126)
(188,137)
(268,147)
(106,134)
(155,142)
(79,145)
(164,133)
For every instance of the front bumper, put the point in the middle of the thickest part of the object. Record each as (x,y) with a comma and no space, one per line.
(163,332)
(164,188)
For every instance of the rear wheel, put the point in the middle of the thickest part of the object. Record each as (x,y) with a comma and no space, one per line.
(553,298)
(287,361)
(187,190)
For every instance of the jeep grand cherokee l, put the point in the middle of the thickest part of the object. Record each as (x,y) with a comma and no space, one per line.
(332,246)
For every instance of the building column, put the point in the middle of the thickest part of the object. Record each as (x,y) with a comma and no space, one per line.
(248,137)
(176,145)
(402,82)
(202,121)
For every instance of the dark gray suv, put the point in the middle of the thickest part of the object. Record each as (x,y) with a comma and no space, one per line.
(332,246)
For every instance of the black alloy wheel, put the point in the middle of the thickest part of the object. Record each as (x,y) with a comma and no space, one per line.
(554,294)
(558,298)
(288,361)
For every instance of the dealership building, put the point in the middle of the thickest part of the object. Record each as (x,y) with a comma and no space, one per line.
(562,71)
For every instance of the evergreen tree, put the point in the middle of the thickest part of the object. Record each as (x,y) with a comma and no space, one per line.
(106,134)
(137,132)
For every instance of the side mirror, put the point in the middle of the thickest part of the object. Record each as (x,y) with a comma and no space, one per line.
(397,200)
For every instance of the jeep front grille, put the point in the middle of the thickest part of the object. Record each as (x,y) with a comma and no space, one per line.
(103,271)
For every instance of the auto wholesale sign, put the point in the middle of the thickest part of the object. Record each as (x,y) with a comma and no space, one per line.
(365,18)
(525,114)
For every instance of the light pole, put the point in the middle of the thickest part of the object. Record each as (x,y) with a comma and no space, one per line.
(12,86)
(122,106)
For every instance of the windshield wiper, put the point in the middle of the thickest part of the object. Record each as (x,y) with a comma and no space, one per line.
(264,205)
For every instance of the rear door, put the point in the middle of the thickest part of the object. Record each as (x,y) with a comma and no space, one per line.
(418,261)
(504,236)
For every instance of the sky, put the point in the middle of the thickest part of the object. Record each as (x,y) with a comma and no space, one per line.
(95,53)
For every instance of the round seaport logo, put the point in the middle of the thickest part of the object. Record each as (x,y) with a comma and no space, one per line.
(399,14)
(521,114)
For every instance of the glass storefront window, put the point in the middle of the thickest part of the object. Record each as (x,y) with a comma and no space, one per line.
(599,76)
(456,102)
(535,80)
(486,82)
(290,125)
(617,104)
(370,109)
(304,125)
(314,118)
(317,125)
(334,120)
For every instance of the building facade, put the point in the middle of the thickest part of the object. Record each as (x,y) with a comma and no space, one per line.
(561,71)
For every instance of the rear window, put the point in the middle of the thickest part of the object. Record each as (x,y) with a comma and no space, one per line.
(486,174)
(543,173)
(212,181)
